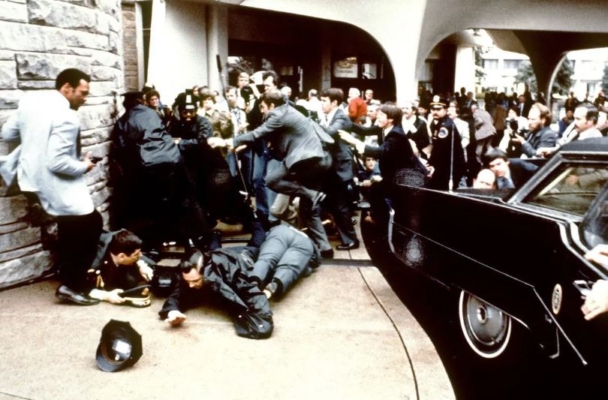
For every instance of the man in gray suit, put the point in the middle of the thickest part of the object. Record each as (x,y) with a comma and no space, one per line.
(49,166)
(340,184)
(291,140)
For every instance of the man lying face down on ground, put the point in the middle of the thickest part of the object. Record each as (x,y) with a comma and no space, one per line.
(232,275)
(224,273)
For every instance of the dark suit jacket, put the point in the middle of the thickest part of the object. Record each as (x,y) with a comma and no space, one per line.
(393,154)
(290,135)
(546,137)
(341,152)
(521,171)
(420,136)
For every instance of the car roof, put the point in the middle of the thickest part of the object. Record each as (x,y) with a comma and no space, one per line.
(593,145)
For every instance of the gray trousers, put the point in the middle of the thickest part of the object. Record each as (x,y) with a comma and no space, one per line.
(311,220)
(284,255)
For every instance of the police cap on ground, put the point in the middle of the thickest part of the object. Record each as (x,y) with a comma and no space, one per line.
(120,346)
(439,101)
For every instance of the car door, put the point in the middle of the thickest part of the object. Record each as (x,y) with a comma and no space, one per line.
(576,193)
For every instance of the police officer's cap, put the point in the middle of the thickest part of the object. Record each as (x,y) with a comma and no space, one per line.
(120,346)
(439,101)
(187,101)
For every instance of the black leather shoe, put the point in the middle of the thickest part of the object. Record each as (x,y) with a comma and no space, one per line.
(351,246)
(66,294)
(329,253)
(319,197)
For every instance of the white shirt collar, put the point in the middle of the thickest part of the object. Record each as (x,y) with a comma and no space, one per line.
(387,130)
(331,114)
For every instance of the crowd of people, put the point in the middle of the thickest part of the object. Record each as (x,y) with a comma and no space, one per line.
(250,154)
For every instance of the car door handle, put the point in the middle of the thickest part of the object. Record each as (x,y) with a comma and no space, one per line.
(584,287)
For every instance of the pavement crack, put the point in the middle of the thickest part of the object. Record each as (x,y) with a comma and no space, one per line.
(15,396)
(409,358)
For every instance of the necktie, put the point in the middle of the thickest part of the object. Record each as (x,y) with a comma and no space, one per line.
(505,183)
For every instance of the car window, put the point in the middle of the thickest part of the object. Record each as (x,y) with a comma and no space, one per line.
(571,188)
(595,225)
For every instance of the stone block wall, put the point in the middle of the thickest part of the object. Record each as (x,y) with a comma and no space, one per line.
(38,39)
(129,26)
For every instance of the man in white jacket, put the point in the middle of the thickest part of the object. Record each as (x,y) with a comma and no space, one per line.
(49,166)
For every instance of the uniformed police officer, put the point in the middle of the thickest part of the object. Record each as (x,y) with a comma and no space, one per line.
(447,160)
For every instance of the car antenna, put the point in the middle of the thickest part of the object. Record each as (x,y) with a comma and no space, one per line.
(451,182)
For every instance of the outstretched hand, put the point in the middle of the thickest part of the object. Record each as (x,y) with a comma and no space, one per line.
(348,138)
(216,142)
(175,318)
(599,255)
(596,301)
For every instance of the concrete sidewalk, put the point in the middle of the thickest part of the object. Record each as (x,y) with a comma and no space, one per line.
(339,334)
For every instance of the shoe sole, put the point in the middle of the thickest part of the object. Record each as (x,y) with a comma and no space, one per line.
(137,302)
(68,299)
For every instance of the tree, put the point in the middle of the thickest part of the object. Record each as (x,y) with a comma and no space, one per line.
(563,80)
(480,73)
(561,84)
(525,75)
(605,80)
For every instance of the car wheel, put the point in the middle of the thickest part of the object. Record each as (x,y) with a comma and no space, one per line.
(486,329)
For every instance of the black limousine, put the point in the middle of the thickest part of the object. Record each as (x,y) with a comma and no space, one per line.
(514,256)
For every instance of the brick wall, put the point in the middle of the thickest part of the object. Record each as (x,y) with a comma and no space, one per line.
(38,39)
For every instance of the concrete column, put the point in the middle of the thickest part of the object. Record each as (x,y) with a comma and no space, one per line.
(464,75)
(217,44)
(156,68)
(545,68)
(178,43)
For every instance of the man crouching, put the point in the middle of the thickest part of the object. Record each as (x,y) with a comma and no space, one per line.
(119,271)
(224,272)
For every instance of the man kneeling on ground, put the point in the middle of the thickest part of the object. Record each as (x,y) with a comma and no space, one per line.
(119,270)
(224,273)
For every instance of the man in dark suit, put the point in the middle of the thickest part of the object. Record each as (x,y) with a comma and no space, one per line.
(292,141)
(340,182)
(260,158)
(510,173)
(416,129)
(540,135)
